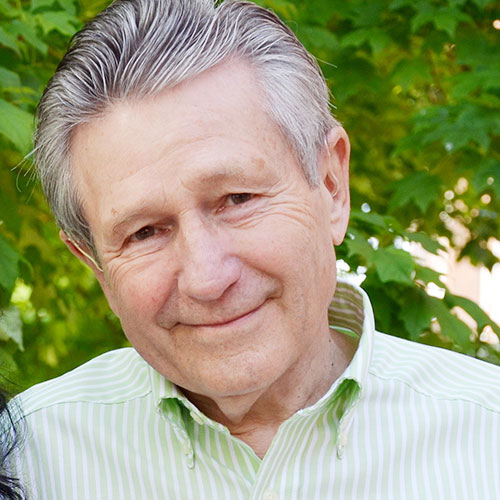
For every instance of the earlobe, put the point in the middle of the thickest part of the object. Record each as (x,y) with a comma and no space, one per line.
(335,178)
(81,253)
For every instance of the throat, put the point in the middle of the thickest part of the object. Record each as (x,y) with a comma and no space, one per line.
(258,438)
(255,417)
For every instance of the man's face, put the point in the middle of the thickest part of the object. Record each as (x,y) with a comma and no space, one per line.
(217,254)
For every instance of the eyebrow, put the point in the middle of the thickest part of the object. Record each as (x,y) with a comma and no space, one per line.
(220,174)
(117,228)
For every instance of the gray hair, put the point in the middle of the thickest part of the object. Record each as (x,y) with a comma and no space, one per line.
(138,48)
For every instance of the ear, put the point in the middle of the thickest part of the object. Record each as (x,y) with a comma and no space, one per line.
(334,171)
(83,253)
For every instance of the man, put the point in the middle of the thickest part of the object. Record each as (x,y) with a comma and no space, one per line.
(190,159)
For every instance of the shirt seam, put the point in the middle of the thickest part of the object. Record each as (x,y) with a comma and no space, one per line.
(434,396)
(25,414)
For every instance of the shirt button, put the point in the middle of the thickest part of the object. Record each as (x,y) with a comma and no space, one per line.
(343,439)
(187,448)
(270,495)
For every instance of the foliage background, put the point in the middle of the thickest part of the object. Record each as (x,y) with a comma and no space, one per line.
(415,83)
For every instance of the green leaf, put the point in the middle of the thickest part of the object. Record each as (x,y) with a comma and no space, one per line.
(356,244)
(478,80)
(26,32)
(393,264)
(69,6)
(9,41)
(487,175)
(379,40)
(40,4)
(9,270)
(483,3)
(447,19)
(451,326)
(319,12)
(443,18)
(9,78)
(11,326)
(416,313)
(427,275)
(477,314)
(370,218)
(16,124)
(474,49)
(421,187)
(425,14)
(355,38)
(57,21)
(410,71)
(398,4)
(285,9)
(375,37)
(9,213)
(9,370)
(425,240)
(318,37)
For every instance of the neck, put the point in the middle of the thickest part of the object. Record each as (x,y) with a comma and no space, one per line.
(255,417)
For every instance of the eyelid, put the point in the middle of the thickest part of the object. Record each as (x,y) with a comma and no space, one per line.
(158,229)
(250,195)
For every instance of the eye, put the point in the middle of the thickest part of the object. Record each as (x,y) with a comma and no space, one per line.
(144,233)
(239,198)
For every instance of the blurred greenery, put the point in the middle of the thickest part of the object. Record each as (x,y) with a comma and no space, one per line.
(415,83)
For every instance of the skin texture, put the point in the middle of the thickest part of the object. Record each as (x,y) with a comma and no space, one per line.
(217,255)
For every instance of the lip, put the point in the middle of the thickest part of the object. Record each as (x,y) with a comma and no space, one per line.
(229,322)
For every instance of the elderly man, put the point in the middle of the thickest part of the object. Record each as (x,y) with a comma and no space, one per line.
(190,159)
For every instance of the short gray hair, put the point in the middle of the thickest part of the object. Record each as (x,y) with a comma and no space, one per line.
(138,48)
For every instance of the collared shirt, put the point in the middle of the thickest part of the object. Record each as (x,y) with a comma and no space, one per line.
(404,421)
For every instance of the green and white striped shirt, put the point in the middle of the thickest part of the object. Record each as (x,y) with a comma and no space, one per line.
(405,421)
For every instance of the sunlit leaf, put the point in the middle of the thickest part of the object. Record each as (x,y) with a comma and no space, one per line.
(11,326)
(425,240)
(481,318)
(451,326)
(392,264)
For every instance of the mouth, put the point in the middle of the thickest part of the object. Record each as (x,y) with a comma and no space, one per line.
(231,321)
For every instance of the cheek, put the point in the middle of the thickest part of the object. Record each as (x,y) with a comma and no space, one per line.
(135,293)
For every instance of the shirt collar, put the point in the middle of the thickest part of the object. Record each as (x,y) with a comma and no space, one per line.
(351,311)
(164,392)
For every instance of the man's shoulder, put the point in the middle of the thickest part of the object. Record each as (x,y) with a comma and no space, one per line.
(435,372)
(113,377)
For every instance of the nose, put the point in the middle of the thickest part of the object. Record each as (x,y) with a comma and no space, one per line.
(207,267)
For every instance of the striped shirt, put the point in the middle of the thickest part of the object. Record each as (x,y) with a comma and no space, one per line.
(404,421)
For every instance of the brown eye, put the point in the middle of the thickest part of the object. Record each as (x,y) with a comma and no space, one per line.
(240,198)
(144,233)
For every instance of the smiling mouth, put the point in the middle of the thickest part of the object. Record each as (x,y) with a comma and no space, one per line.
(226,322)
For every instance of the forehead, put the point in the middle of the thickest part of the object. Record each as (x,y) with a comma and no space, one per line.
(190,113)
(206,127)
